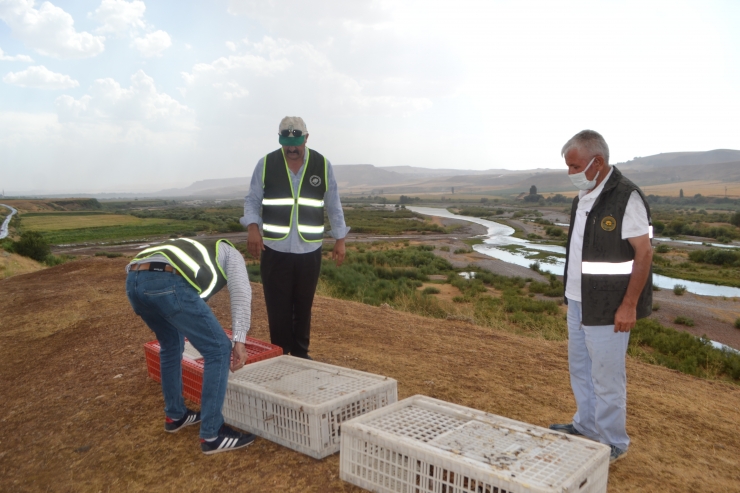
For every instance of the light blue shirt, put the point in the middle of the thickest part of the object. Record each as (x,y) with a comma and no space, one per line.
(293,242)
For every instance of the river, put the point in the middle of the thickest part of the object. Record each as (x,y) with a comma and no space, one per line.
(4,227)
(499,243)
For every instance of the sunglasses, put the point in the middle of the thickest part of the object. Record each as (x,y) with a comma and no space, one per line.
(287,133)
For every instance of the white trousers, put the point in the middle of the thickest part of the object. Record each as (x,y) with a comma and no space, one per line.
(598,376)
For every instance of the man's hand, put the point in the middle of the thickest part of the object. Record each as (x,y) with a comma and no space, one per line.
(238,356)
(337,254)
(625,318)
(254,241)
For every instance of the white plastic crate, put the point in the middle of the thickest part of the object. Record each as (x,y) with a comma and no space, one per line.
(422,444)
(300,403)
(189,351)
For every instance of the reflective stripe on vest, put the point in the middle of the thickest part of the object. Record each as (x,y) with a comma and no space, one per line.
(277,201)
(310,229)
(607,268)
(310,202)
(190,262)
(276,229)
(180,254)
(206,292)
(650,231)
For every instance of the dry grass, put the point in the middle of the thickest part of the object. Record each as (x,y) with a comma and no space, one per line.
(70,425)
(61,221)
(12,264)
(691,188)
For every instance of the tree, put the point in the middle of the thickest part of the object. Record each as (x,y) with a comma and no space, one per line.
(453,190)
(680,193)
(735,219)
(32,245)
(533,190)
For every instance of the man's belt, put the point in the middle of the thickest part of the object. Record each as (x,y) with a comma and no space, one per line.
(155,267)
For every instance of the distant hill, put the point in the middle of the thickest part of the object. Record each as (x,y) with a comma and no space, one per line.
(670,159)
(720,166)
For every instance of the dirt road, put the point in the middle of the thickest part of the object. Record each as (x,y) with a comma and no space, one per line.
(80,414)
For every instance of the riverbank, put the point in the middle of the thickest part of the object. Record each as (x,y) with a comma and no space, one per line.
(713,316)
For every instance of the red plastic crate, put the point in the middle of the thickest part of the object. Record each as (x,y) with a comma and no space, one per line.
(192,370)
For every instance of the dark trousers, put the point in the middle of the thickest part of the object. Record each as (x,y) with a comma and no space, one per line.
(289,282)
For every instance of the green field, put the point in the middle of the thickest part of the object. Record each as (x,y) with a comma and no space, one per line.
(48,222)
(388,221)
(125,232)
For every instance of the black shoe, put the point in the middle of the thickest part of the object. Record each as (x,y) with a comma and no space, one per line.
(190,418)
(566,428)
(228,439)
(303,356)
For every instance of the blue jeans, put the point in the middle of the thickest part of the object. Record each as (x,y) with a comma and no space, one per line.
(173,310)
(598,376)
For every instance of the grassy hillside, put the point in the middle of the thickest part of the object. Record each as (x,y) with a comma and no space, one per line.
(74,363)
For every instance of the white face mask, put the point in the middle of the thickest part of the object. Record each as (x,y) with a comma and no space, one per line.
(581,182)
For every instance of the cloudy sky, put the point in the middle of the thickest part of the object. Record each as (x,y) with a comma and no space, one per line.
(116,95)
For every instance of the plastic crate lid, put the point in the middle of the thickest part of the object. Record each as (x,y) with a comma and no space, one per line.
(309,382)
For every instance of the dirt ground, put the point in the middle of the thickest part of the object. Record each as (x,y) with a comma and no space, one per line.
(80,414)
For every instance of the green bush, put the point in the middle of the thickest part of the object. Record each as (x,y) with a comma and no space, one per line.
(682,351)
(254,273)
(445,248)
(462,250)
(679,289)
(32,245)
(662,248)
(715,256)
(235,227)
(737,323)
(430,290)
(656,307)
(109,254)
(681,320)
(554,289)
(554,231)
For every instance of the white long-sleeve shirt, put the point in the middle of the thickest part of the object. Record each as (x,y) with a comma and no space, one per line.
(240,291)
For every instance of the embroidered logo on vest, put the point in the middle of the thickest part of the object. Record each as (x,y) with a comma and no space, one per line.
(315,180)
(608,223)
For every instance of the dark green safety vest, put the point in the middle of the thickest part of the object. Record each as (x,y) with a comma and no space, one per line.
(607,258)
(196,260)
(279,197)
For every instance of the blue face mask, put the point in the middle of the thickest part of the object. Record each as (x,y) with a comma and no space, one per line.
(580,181)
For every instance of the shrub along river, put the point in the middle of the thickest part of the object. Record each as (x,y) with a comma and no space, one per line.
(499,243)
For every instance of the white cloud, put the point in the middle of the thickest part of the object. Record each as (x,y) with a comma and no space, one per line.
(231,45)
(153,44)
(16,58)
(140,103)
(40,77)
(293,70)
(119,16)
(49,30)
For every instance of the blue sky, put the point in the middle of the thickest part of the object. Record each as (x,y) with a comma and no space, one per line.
(117,95)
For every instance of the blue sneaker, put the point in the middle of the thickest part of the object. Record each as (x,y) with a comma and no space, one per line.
(566,428)
(617,453)
(190,418)
(228,439)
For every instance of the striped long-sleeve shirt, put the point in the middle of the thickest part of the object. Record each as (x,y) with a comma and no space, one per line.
(240,291)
